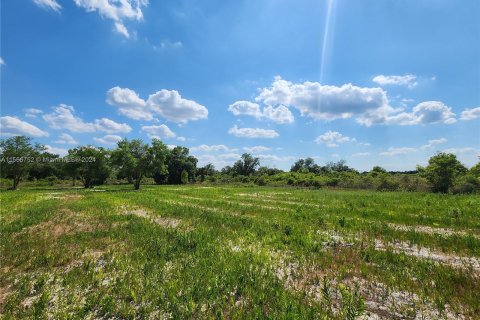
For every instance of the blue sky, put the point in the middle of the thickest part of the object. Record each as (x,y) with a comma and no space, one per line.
(373,82)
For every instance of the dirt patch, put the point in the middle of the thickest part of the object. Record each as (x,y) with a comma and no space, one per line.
(458,262)
(64,223)
(4,293)
(431,230)
(162,221)
(62,196)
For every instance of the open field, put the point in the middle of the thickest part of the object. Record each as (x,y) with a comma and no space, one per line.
(198,252)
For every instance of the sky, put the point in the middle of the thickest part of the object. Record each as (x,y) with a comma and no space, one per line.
(372,82)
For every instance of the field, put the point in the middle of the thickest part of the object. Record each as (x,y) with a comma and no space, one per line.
(238,252)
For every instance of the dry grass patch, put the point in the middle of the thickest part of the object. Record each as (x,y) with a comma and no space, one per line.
(161,221)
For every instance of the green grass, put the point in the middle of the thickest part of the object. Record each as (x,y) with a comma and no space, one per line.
(236,252)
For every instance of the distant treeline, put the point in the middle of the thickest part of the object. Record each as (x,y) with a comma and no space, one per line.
(136,162)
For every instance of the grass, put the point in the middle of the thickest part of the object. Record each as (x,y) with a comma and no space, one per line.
(235,252)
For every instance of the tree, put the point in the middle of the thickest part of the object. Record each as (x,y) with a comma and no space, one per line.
(89,163)
(246,165)
(377,170)
(160,154)
(305,166)
(134,160)
(442,170)
(206,171)
(17,157)
(178,161)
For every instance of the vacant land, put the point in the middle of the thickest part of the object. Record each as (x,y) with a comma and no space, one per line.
(198,252)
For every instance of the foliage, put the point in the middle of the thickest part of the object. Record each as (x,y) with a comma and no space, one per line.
(18,156)
(179,160)
(246,166)
(442,170)
(89,163)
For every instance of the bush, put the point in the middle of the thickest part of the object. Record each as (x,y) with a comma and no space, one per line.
(466,184)
(262,180)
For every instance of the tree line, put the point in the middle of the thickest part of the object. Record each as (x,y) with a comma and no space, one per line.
(134,161)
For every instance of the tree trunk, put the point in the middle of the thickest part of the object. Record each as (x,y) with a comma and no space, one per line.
(74,181)
(16,180)
(137,184)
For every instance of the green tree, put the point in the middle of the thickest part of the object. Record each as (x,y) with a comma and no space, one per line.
(247,165)
(184,177)
(178,161)
(206,171)
(160,154)
(89,163)
(134,160)
(17,158)
(442,170)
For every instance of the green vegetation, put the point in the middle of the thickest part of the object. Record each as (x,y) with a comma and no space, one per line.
(136,162)
(237,252)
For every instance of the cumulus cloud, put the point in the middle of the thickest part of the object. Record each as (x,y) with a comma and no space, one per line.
(55,150)
(397,151)
(256,149)
(207,148)
(110,126)
(12,126)
(48,4)
(32,112)
(129,103)
(369,106)
(333,139)
(229,156)
(470,114)
(63,117)
(433,143)
(1,61)
(65,138)
(280,114)
(252,132)
(428,112)
(271,158)
(116,10)
(159,132)
(170,105)
(408,80)
(167,103)
(109,139)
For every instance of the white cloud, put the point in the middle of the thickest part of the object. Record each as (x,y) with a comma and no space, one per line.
(252,132)
(48,4)
(109,139)
(273,158)
(1,61)
(110,126)
(167,44)
(116,10)
(129,103)
(55,150)
(170,105)
(323,102)
(428,112)
(32,112)
(408,80)
(207,148)
(397,151)
(63,118)
(333,138)
(12,126)
(470,114)
(433,143)
(460,150)
(167,103)
(65,138)
(181,139)
(158,132)
(365,144)
(280,114)
(229,156)
(256,149)
(370,106)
